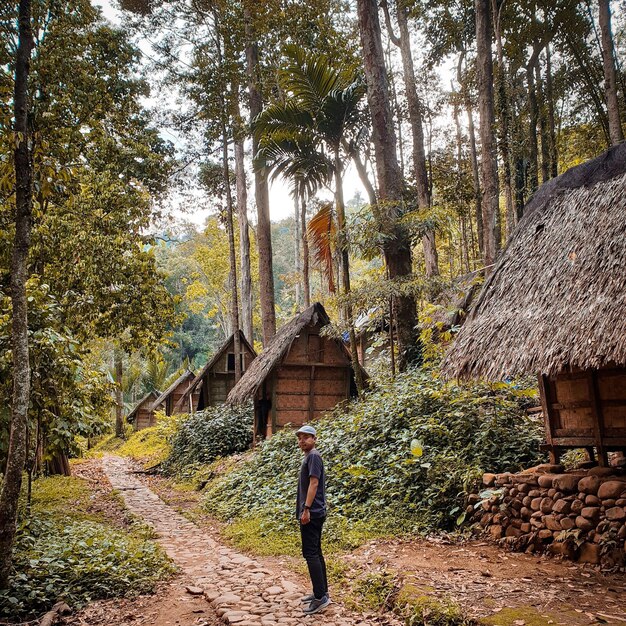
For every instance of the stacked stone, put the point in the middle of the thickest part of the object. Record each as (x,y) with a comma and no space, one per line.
(535,509)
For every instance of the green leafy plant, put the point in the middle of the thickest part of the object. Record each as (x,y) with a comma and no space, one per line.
(68,548)
(203,437)
(373,472)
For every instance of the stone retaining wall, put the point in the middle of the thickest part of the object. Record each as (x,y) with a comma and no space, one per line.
(580,514)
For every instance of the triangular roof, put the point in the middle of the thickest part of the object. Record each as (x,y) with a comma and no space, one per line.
(277,348)
(152,394)
(557,295)
(210,364)
(186,375)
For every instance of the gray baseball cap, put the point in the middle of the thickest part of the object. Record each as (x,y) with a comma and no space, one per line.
(307,430)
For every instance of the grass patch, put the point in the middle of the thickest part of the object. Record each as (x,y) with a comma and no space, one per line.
(419,609)
(67,550)
(148,445)
(261,535)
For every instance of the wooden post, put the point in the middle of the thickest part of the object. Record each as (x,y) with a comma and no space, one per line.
(544,387)
(311,394)
(598,422)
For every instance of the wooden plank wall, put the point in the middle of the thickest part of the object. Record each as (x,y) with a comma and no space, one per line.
(313,378)
(587,409)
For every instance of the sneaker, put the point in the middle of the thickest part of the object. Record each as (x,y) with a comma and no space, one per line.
(316,605)
(308,599)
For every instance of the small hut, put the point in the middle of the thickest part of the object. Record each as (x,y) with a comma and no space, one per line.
(215,380)
(142,414)
(299,376)
(555,306)
(169,400)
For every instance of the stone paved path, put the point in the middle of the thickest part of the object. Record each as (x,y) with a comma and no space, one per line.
(239,588)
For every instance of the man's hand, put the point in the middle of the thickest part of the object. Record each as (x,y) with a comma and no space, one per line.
(305,518)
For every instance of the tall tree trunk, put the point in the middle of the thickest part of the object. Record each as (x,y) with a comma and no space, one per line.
(296,251)
(590,80)
(306,281)
(533,155)
(417,130)
(608,62)
(118,366)
(554,161)
(543,126)
(264,233)
(364,178)
(232,255)
(473,152)
(397,248)
(503,112)
(484,67)
(16,452)
(342,240)
(459,168)
(244,241)
(227,116)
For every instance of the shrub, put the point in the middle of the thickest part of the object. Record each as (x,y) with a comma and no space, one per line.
(207,435)
(399,459)
(67,549)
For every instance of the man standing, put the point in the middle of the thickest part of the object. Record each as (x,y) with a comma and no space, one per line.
(311,512)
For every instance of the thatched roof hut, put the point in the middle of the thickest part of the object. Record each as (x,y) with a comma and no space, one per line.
(170,397)
(215,380)
(555,301)
(142,414)
(299,376)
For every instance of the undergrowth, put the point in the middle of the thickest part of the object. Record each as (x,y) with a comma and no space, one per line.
(65,550)
(202,437)
(397,461)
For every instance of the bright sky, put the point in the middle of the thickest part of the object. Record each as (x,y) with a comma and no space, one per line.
(281,203)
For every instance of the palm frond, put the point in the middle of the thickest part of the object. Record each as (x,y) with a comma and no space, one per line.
(289,117)
(321,232)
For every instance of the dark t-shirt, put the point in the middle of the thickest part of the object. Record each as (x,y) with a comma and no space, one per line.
(312,465)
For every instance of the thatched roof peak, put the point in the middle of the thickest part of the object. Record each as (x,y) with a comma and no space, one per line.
(557,295)
(211,363)
(274,352)
(149,396)
(186,375)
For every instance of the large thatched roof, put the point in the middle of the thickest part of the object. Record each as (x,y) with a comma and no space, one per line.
(273,354)
(557,296)
(211,363)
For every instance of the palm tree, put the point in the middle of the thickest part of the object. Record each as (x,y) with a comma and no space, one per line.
(307,169)
(307,138)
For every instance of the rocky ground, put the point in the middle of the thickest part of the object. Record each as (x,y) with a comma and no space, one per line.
(218,584)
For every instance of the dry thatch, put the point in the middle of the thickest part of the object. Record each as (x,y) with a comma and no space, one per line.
(186,375)
(149,396)
(557,296)
(210,364)
(273,354)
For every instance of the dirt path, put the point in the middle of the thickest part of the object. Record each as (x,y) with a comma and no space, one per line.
(491,585)
(240,589)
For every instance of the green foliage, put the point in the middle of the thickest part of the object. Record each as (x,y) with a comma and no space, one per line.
(78,562)
(152,445)
(207,435)
(375,484)
(429,611)
(376,590)
(66,551)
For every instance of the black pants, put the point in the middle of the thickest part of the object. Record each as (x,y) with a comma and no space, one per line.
(311,534)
